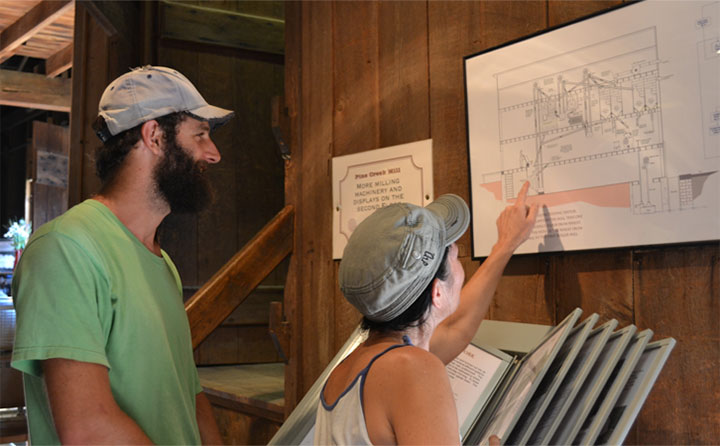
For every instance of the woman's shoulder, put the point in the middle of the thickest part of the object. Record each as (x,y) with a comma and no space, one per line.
(410,359)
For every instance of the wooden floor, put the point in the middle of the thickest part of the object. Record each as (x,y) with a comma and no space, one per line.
(248,400)
(260,382)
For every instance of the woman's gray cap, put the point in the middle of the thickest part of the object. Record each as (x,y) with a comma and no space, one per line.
(395,252)
(150,92)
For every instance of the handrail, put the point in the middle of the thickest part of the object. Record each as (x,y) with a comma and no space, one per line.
(231,285)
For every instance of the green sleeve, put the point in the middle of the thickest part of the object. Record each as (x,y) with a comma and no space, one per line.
(63,305)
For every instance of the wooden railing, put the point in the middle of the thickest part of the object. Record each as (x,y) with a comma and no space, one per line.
(232,284)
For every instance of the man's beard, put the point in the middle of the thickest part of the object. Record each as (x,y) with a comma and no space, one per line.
(180,180)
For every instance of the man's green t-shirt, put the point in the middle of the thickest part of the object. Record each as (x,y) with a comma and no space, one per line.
(86,289)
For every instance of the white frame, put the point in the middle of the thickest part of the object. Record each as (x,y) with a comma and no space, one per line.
(648,378)
(613,119)
(407,168)
(562,330)
(593,385)
(486,395)
(581,332)
(557,409)
(630,359)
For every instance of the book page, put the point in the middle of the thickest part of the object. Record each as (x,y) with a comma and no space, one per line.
(533,366)
(473,377)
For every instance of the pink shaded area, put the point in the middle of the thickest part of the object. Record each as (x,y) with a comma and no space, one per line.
(495,188)
(611,196)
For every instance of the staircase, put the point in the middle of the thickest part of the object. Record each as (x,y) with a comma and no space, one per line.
(248,400)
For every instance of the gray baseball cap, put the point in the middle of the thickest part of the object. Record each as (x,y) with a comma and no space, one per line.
(395,252)
(150,92)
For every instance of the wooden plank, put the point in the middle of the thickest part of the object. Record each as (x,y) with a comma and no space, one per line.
(521,293)
(80,113)
(31,90)
(239,428)
(233,282)
(40,16)
(355,77)
(292,302)
(263,8)
(258,382)
(237,344)
(403,89)
(59,62)
(99,73)
(255,310)
(262,191)
(210,48)
(563,11)
(315,274)
(598,282)
(118,19)
(676,294)
(245,405)
(357,53)
(221,27)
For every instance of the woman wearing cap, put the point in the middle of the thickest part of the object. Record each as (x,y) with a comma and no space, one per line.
(400,269)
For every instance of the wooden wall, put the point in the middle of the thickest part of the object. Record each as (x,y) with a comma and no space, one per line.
(248,180)
(102,51)
(365,75)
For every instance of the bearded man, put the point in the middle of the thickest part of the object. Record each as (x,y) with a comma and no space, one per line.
(102,336)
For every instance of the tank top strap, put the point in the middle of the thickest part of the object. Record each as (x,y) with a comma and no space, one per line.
(406,342)
(361,375)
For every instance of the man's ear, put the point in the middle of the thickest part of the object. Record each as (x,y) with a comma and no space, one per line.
(151,135)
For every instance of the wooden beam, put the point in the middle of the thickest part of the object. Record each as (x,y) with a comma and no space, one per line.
(229,287)
(118,19)
(59,62)
(245,405)
(43,14)
(221,27)
(34,91)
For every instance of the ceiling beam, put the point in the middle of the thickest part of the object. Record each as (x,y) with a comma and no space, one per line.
(59,62)
(201,24)
(31,90)
(19,32)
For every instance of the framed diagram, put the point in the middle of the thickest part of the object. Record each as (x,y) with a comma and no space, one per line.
(614,121)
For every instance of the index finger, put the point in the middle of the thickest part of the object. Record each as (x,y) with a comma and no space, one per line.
(522,195)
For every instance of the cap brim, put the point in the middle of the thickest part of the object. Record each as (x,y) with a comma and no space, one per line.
(216,116)
(454,212)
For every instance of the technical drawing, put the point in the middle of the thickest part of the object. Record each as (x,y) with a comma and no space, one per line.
(708,49)
(615,122)
(587,125)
